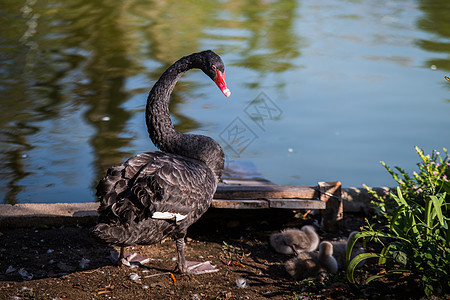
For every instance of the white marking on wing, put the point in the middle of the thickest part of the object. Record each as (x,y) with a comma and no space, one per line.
(168,216)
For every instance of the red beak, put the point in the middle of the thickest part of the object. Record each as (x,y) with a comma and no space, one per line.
(221,83)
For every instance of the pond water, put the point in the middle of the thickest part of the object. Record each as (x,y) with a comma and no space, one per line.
(320,90)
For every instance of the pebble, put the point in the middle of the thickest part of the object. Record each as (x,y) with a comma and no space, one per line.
(84,262)
(10,269)
(24,274)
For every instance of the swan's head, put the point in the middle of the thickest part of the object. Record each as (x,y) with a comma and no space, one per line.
(213,67)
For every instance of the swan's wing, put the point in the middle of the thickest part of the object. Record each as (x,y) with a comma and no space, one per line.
(155,185)
(112,187)
(113,191)
(172,187)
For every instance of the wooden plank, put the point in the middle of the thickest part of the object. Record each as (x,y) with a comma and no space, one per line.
(266,192)
(269,203)
(240,204)
(332,215)
(296,203)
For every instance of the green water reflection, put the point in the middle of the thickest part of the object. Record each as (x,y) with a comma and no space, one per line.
(436,20)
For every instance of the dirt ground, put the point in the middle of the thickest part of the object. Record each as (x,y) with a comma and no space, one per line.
(65,263)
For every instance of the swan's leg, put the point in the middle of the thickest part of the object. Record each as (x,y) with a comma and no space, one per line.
(121,253)
(191,267)
(181,267)
(120,260)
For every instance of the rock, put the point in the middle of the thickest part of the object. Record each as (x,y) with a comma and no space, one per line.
(10,269)
(84,262)
(24,274)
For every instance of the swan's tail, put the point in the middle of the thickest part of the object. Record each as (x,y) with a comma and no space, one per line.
(146,232)
(113,234)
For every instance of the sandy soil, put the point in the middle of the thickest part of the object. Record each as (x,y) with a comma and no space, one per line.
(65,263)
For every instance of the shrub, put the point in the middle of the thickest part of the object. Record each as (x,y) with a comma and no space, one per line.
(413,226)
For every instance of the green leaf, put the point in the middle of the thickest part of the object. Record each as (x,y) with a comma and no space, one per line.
(413,226)
(355,261)
(383,257)
(437,202)
(428,289)
(367,234)
(399,198)
(400,257)
(397,214)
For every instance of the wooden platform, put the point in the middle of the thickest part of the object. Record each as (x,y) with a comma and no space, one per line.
(263,194)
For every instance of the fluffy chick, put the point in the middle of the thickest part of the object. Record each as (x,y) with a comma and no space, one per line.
(311,264)
(295,241)
(326,259)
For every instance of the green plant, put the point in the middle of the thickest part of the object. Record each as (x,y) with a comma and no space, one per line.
(414,229)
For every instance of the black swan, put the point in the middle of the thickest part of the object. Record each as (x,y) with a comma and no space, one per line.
(312,264)
(155,195)
(293,240)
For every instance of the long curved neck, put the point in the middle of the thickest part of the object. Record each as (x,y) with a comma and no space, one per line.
(160,127)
